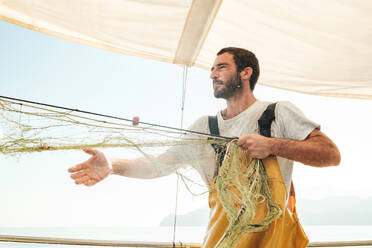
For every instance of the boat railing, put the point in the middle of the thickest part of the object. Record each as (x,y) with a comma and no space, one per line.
(112,243)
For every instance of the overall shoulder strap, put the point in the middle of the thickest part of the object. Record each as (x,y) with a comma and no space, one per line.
(266,119)
(264,123)
(220,149)
(213,125)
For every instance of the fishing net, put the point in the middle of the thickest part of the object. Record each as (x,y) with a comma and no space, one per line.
(34,129)
(29,128)
(241,185)
(241,182)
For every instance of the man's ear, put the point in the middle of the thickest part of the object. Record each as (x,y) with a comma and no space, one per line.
(246,73)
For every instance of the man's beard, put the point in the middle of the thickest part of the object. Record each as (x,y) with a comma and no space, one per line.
(232,86)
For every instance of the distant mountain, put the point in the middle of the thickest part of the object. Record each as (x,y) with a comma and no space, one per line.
(347,210)
(197,217)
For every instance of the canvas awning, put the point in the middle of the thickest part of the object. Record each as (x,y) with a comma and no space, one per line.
(315,47)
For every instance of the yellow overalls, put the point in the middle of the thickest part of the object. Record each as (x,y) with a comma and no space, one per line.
(284,232)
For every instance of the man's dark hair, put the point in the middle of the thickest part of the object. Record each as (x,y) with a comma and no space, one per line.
(244,58)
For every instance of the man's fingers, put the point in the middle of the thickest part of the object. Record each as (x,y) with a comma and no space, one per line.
(247,140)
(78,175)
(77,167)
(243,143)
(243,140)
(90,151)
(82,180)
(80,170)
(83,165)
(90,182)
(240,141)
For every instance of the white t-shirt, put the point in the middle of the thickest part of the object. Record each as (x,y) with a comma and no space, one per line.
(289,123)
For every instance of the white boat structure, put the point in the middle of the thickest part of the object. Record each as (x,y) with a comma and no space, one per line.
(313,47)
(318,47)
(111,243)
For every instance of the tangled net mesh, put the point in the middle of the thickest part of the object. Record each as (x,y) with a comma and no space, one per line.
(30,128)
(241,182)
(241,185)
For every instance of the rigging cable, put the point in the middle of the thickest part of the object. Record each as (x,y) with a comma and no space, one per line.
(184,84)
(115,117)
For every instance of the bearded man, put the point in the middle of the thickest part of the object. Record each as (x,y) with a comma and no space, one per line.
(292,138)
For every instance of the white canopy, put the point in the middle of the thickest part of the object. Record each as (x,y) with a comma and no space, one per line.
(315,47)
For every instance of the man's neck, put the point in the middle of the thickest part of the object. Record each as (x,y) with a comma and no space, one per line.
(237,104)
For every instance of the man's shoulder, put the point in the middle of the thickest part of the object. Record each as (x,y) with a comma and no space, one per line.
(280,106)
(281,103)
(200,124)
(291,123)
(285,108)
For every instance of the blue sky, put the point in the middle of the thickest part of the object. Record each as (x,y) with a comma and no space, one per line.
(36,189)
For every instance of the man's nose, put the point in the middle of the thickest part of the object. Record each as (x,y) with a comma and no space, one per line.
(213,74)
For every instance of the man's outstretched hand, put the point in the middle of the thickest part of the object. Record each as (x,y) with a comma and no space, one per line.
(92,171)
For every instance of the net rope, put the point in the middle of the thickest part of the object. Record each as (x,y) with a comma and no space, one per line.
(241,183)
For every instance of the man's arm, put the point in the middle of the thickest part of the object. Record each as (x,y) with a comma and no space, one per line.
(316,150)
(143,167)
(99,166)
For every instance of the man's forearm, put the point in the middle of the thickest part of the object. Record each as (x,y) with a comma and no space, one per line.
(136,168)
(145,168)
(317,150)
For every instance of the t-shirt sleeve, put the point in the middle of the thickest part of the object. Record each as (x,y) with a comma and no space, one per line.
(186,152)
(291,123)
(189,152)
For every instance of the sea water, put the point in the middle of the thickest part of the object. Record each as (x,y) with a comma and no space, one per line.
(165,234)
